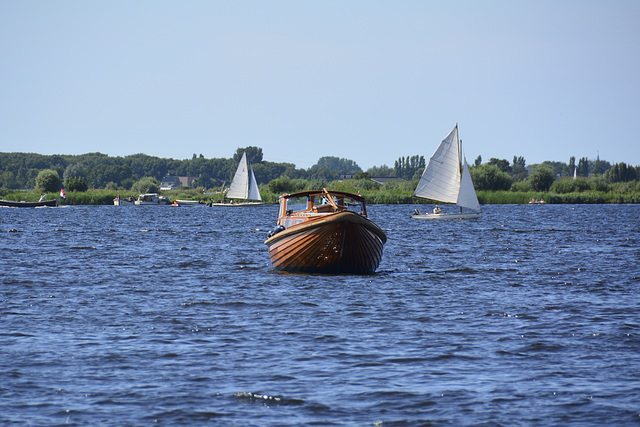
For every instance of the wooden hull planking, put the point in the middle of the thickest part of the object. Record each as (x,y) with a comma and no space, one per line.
(339,243)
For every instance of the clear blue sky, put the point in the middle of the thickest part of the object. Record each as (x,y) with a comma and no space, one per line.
(365,80)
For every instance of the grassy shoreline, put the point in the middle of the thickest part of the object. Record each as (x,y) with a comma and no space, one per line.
(373,196)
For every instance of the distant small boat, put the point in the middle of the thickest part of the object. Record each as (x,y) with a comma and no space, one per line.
(188,203)
(243,187)
(537,202)
(23,204)
(325,232)
(152,199)
(127,201)
(447,179)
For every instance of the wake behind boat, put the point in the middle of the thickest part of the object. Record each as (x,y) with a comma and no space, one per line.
(243,190)
(447,179)
(325,232)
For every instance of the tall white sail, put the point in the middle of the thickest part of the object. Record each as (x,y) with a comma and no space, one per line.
(239,188)
(441,178)
(467,197)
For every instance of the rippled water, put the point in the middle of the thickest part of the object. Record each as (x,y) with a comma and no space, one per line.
(138,315)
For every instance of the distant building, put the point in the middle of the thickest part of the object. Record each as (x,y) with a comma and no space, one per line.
(172,182)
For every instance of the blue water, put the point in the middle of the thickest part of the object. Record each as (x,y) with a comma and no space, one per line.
(145,315)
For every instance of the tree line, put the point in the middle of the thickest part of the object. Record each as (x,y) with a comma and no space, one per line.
(100,171)
(140,172)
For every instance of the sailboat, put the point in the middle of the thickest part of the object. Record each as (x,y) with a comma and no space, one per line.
(243,187)
(447,179)
(325,232)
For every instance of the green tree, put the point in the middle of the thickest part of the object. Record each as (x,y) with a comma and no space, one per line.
(8,180)
(76,184)
(204,181)
(518,172)
(490,177)
(382,171)
(48,180)
(147,184)
(406,167)
(568,185)
(336,164)
(74,170)
(284,184)
(254,154)
(567,170)
(541,178)
(503,164)
(584,167)
(621,172)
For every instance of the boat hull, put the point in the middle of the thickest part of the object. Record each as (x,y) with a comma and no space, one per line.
(448,216)
(337,243)
(13,204)
(188,203)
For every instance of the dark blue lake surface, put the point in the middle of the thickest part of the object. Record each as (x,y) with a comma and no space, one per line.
(144,315)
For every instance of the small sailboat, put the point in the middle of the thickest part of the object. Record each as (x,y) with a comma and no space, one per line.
(447,179)
(243,187)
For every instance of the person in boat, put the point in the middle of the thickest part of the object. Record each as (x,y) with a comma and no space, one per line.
(437,210)
(41,197)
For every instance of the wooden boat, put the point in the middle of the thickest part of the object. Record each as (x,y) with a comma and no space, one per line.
(23,204)
(325,232)
(447,179)
(243,190)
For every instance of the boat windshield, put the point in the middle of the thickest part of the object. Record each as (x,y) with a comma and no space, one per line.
(296,204)
(350,204)
(322,203)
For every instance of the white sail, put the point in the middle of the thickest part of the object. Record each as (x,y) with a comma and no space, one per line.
(441,178)
(254,192)
(467,197)
(244,185)
(239,188)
